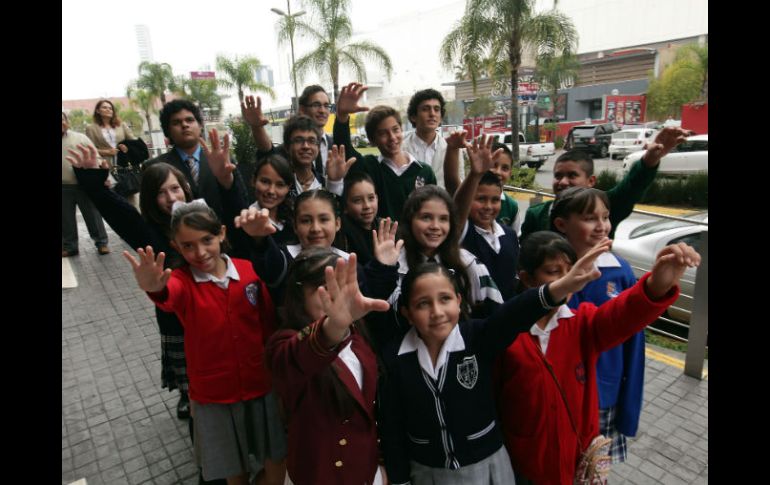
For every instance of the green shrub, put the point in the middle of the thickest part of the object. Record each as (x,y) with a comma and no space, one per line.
(606,180)
(523,177)
(244,149)
(559,142)
(691,191)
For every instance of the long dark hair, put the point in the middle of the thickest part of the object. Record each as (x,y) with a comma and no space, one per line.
(307,271)
(449,250)
(200,218)
(283,169)
(153,177)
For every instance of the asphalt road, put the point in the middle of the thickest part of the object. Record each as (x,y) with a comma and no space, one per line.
(544,176)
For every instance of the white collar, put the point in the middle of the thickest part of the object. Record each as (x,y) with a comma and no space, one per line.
(315,185)
(294,250)
(607,260)
(392,164)
(562,312)
(497,230)
(412,342)
(230,272)
(403,266)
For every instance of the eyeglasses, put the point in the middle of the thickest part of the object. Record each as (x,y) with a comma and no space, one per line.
(318,105)
(298,140)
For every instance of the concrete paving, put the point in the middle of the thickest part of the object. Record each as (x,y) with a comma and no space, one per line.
(120,427)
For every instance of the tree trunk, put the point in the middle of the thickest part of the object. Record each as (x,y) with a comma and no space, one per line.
(335,72)
(149,123)
(514,55)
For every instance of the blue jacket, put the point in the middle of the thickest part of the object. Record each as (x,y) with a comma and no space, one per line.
(620,370)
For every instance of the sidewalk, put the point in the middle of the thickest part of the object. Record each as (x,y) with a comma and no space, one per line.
(120,427)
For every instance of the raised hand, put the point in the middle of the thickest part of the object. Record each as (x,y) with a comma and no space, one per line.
(336,166)
(218,158)
(251,111)
(386,249)
(670,265)
(86,156)
(480,154)
(342,300)
(148,271)
(665,141)
(582,272)
(456,140)
(255,223)
(347,102)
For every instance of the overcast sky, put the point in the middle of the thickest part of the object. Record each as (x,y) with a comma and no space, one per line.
(99,48)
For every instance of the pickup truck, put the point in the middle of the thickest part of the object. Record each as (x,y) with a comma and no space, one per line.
(533,155)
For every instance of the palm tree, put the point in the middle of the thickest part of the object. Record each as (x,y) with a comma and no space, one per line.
(493,33)
(145,101)
(131,117)
(156,78)
(330,32)
(202,92)
(696,57)
(240,73)
(554,71)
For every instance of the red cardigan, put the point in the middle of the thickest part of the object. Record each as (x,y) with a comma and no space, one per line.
(323,447)
(224,333)
(541,441)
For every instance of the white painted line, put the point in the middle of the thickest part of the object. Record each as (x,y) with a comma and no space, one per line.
(82,481)
(68,280)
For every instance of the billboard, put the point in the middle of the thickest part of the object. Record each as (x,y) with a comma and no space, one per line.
(196,75)
(625,109)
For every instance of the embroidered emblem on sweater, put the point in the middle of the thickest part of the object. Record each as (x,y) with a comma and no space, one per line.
(419,182)
(612,289)
(468,372)
(580,373)
(304,332)
(252,293)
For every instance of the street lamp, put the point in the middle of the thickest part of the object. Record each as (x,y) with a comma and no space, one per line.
(290,19)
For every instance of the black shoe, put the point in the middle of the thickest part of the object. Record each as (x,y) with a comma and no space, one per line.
(183,406)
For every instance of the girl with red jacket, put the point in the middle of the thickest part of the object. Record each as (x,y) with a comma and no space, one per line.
(548,401)
(227,315)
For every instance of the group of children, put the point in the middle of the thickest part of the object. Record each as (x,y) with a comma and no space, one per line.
(394,323)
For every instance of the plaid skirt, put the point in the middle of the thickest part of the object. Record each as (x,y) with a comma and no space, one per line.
(173,374)
(619,446)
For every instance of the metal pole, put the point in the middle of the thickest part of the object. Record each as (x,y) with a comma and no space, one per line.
(293,69)
(699,320)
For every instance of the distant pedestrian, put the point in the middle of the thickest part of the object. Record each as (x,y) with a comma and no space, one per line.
(72,196)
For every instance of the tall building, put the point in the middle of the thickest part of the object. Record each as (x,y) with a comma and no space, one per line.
(144,43)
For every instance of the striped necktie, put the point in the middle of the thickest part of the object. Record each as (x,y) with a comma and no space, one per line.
(194,169)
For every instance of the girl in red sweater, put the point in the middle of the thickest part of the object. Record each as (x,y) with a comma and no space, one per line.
(548,401)
(227,315)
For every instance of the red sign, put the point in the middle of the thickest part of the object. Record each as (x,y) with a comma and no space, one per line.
(626,109)
(202,75)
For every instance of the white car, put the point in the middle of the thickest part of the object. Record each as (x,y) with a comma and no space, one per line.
(630,140)
(689,157)
(639,241)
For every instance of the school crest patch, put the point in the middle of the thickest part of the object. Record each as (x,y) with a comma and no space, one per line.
(580,373)
(419,182)
(468,372)
(252,293)
(612,289)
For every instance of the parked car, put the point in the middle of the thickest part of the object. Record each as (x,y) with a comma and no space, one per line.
(592,138)
(639,243)
(533,155)
(689,157)
(360,140)
(628,141)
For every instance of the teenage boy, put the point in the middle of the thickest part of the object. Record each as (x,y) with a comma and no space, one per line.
(395,172)
(575,168)
(313,103)
(426,110)
(478,201)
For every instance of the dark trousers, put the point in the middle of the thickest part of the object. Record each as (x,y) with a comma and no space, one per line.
(73,196)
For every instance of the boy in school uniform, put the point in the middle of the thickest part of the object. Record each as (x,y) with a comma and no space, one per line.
(575,168)
(395,172)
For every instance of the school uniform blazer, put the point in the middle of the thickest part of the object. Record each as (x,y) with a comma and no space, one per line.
(325,448)
(225,333)
(540,438)
(450,422)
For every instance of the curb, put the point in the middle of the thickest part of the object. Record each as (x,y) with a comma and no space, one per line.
(669,211)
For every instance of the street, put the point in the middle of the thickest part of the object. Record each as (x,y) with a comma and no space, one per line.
(544,176)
